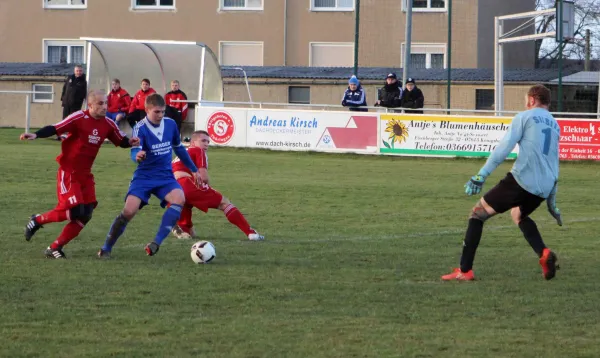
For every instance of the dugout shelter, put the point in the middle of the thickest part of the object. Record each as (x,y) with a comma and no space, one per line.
(193,64)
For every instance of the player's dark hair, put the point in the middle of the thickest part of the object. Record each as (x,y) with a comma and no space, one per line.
(154,100)
(146,80)
(116,80)
(540,93)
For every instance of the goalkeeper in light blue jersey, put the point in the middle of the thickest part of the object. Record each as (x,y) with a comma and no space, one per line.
(532,179)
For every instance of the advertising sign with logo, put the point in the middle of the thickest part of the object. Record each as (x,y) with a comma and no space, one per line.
(224,126)
(442,135)
(312,130)
(579,139)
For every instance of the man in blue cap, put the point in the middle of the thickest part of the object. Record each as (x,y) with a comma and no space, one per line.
(355,97)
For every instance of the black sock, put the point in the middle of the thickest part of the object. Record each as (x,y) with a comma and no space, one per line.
(532,235)
(472,238)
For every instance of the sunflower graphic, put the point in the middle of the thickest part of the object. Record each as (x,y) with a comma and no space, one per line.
(398,132)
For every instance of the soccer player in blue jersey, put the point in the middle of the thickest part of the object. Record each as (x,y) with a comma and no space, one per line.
(532,179)
(158,137)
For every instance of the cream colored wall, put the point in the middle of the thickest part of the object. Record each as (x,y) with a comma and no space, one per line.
(381,30)
(12,106)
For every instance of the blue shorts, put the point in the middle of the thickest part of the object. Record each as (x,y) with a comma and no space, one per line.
(113,115)
(144,188)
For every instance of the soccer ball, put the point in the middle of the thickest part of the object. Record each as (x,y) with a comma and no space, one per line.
(203,252)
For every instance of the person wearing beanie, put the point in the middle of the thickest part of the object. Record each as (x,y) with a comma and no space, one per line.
(390,95)
(355,97)
(413,98)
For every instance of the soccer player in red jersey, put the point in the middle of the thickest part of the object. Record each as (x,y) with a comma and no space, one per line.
(204,197)
(75,185)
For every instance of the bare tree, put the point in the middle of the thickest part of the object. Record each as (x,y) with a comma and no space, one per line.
(587,16)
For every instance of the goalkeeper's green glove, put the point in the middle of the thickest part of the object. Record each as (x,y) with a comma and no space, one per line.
(475,184)
(553,210)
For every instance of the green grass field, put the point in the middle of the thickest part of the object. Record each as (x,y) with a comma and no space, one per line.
(350,268)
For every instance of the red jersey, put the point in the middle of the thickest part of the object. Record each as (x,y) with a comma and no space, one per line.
(139,100)
(86,135)
(118,101)
(198,156)
(180,106)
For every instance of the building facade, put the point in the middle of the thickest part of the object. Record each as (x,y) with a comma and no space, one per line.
(267,32)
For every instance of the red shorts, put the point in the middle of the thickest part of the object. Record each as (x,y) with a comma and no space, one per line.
(73,189)
(202,198)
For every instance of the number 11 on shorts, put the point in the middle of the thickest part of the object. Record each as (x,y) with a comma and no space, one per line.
(72,200)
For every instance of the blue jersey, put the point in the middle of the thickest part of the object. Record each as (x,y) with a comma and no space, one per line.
(158,143)
(536,167)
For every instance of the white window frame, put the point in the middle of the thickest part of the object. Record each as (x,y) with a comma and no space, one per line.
(45,5)
(336,8)
(134,6)
(414,50)
(340,44)
(261,43)
(426,9)
(62,42)
(34,100)
(222,7)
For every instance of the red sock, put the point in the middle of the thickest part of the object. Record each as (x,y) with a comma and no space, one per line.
(52,216)
(69,232)
(236,218)
(185,219)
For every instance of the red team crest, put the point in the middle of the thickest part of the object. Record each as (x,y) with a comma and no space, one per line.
(220,127)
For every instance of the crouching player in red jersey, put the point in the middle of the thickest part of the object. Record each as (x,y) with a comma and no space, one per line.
(204,197)
(75,185)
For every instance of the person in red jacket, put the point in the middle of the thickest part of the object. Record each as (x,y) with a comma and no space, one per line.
(118,102)
(176,110)
(137,110)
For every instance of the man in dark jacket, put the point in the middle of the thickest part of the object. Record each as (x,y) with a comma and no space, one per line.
(74,92)
(355,96)
(390,95)
(412,98)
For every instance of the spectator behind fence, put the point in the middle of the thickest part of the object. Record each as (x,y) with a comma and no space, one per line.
(176,110)
(390,95)
(355,97)
(118,102)
(74,92)
(412,97)
(137,109)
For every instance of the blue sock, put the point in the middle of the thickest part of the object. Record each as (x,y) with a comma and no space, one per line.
(169,220)
(116,230)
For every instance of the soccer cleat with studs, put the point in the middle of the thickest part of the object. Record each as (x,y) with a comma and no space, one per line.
(32,227)
(179,233)
(103,254)
(548,261)
(54,253)
(458,275)
(255,236)
(152,248)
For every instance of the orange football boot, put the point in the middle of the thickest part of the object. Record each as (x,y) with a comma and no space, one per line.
(458,275)
(548,263)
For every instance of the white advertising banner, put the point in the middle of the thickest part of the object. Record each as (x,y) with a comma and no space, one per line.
(312,130)
(225,126)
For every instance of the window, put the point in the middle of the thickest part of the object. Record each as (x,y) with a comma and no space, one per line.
(299,95)
(332,5)
(242,4)
(484,99)
(153,4)
(331,54)
(47,95)
(65,4)
(426,5)
(426,56)
(240,53)
(64,51)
